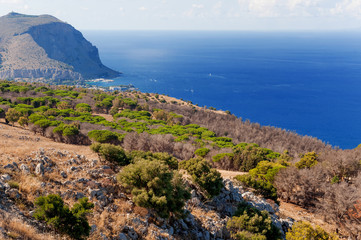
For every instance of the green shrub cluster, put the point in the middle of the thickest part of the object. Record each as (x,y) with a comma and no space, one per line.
(208,178)
(83,107)
(67,130)
(308,160)
(155,186)
(202,152)
(261,179)
(303,230)
(165,158)
(72,222)
(247,156)
(105,136)
(248,223)
(110,153)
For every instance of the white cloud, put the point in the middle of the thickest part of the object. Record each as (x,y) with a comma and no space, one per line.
(263,8)
(11,1)
(142,8)
(197,6)
(347,8)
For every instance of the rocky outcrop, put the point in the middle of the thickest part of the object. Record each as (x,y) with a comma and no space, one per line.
(43,47)
(115,216)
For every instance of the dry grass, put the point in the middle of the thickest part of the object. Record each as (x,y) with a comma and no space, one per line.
(300,214)
(14,145)
(17,229)
(230,174)
(30,185)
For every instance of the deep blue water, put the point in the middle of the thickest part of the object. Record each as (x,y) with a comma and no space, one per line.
(306,82)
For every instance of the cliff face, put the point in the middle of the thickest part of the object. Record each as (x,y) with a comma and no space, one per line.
(43,47)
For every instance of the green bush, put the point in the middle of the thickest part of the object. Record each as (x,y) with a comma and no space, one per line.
(67,130)
(303,230)
(218,157)
(204,175)
(110,153)
(202,152)
(72,222)
(12,115)
(261,179)
(248,155)
(263,187)
(308,160)
(165,158)
(105,136)
(83,107)
(250,223)
(155,186)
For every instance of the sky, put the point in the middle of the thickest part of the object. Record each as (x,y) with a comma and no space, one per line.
(263,15)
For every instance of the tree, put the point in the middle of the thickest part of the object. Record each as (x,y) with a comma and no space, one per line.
(303,230)
(74,223)
(207,178)
(308,160)
(110,153)
(63,105)
(83,107)
(23,121)
(202,152)
(105,136)
(250,223)
(155,186)
(12,115)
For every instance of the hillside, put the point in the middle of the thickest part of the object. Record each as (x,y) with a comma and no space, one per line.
(45,48)
(160,168)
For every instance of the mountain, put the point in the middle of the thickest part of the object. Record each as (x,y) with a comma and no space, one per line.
(43,47)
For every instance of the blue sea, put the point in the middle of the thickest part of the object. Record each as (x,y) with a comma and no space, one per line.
(306,82)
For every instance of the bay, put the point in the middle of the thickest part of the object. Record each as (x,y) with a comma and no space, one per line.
(306,82)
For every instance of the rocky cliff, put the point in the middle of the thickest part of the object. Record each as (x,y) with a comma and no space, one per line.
(43,47)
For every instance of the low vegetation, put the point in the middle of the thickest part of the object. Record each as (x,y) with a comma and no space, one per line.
(72,222)
(150,139)
(303,230)
(250,223)
(155,186)
(207,178)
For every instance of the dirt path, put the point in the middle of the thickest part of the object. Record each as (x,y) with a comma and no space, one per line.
(230,174)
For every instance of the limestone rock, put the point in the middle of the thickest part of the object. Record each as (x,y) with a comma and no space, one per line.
(43,47)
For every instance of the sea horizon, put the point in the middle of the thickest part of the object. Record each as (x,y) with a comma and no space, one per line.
(302,81)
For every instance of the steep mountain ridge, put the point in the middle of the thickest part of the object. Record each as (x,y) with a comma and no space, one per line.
(43,47)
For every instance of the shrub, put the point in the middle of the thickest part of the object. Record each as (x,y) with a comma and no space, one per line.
(13,115)
(74,223)
(248,155)
(154,186)
(63,105)
(308,160)
(201,152)
(304,230)
(110,153)
(83,107)
(165,158)
(250,223)
(261,179)
(105,136)
(263,187)
(207,178)
(23,121)
(67,130)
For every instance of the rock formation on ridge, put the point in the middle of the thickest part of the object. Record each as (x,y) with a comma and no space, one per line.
(43,47)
